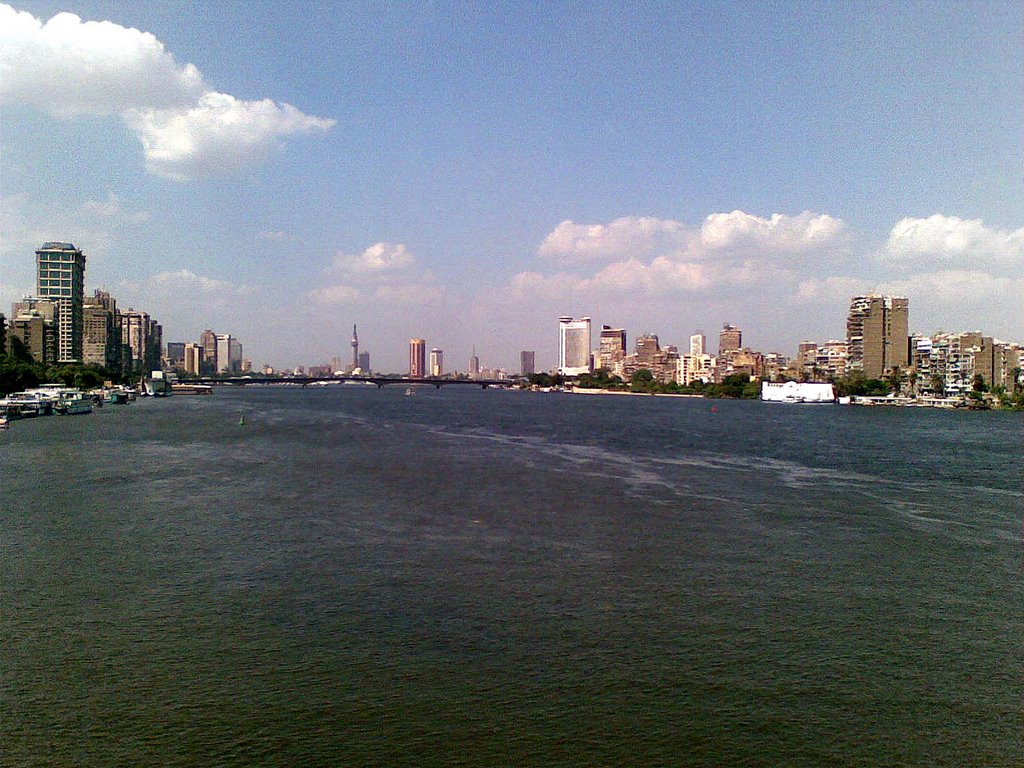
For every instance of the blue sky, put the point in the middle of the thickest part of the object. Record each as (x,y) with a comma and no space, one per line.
(467,173)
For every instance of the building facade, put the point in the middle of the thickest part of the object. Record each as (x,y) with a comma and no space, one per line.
(730,339)
(60,277)
(877,334)
(527,362)
(611,347)
(194,359)
(436,362)
(208,340)
(573,346)
(417,358)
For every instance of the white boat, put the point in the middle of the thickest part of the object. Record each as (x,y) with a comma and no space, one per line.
(408,392)
(797,392)
(75,406)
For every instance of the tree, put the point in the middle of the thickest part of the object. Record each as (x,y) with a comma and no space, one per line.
(978,383)
(642,381)
(938,385)
(896,379)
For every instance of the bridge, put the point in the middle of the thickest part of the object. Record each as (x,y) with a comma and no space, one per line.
(380,381)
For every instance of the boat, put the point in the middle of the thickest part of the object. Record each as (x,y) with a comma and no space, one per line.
(75,406)
(408,392)
(116,396)
(191,389)
(156,385)
(797,392)
(3,422)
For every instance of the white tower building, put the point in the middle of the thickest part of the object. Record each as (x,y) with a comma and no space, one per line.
(573,346)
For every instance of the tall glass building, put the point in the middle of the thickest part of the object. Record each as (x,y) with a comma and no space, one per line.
(60,277)
(573,346)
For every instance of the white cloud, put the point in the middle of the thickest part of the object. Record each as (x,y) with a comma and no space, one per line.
(957,287)
(661,258)
(779,234)
(378,259)
(384,272)
(721,236)
(219,133)
(951,239)
(187,280)
(68,67)
(832,290)
(271,235)
(630,236)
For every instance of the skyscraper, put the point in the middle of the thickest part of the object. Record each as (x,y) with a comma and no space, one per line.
(436,362)
(193,358)
(223,353)
(877,334)
(355,348)
(527,362)
(474,364)
(208,340)
(101,331)
(135,330)
(573,346)
(611,346)
(417,358)
(730,339)
(60,277)
(697,344)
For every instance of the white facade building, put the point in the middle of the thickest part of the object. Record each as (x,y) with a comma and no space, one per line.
(573,346)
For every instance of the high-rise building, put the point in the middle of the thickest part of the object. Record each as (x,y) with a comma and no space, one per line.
(136,328)
(194,359)
(176,353)
(32,333)
(474,364)
(417,358)
(730,339)
(527,362)
(223,356)
(355,348)
(877,334)
(34,328)
(235,356)
(208,340)
(364,362)
(436,362)
(60,276)
(611,347)
(101,332)
(647,348)
(698,344)
(573,346)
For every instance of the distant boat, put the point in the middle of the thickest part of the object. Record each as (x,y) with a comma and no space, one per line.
(241,420)
(408,392)
(3,422)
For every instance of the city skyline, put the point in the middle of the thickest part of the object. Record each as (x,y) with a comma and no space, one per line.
(653,166)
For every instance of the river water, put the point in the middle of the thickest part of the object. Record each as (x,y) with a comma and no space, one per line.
(486,578)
